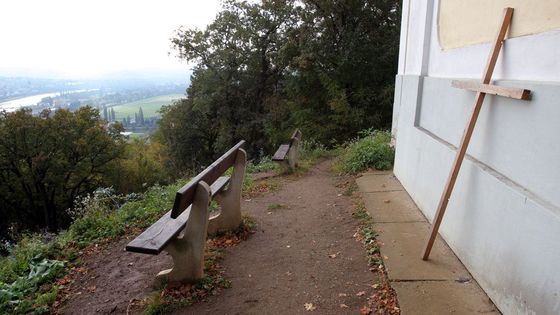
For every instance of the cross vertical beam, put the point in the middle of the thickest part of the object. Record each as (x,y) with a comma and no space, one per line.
(508,13)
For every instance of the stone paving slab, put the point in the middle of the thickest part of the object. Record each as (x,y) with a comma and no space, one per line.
(423,287)
(378,182)
(392,206)
(401,248)
(442,297)
(377,172)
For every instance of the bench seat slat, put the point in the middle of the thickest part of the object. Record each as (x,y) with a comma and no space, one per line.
(154,239)
(281,153)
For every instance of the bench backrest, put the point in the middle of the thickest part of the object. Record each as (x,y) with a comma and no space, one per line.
(185,194)
(295,136)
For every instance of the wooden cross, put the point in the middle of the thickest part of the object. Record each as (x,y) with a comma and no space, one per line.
(482,89)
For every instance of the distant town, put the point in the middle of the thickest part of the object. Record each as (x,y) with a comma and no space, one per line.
(133,102)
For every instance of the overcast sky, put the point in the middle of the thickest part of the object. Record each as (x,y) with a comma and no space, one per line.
(87,38)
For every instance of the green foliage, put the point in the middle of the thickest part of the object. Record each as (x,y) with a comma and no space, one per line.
(46,161)
(265,164)
(106,216)
(143,164)
(368,236)
(265,68)
(150,106)
(276,206)
(372,149)
(33,263)
(311,152)
(15,296)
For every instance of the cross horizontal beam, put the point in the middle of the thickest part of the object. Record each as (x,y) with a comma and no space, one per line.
(520,94)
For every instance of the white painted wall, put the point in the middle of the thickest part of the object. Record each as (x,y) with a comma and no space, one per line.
(503,220)
(531,58)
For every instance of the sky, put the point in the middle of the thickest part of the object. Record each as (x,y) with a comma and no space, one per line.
(92,38)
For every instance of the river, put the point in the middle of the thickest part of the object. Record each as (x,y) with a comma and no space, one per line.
(14,105)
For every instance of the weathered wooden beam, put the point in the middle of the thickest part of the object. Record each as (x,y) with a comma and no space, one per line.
(281,153)
(185,194)
(154,239)
(516,93)
(508,13)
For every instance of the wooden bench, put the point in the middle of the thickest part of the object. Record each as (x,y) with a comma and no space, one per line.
(289,152)
(182,230)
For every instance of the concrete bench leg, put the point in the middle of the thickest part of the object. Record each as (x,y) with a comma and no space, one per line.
(293,155)
(187,249)
(229,217)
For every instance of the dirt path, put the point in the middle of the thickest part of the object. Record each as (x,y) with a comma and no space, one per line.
(303,252)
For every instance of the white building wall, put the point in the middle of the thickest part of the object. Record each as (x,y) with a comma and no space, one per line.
(503,220)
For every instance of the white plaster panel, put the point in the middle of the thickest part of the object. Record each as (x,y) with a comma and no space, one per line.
(507,240)
(517,138)
(479,19)
(531,57)
(413,25)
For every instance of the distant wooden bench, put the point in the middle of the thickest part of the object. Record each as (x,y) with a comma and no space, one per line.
(289,152)
(182,230)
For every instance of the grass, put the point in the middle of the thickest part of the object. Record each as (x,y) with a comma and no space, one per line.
(175,295)
(264,165)
(28,275)
(384,300)
(372,149)
(276,206)
(150,106)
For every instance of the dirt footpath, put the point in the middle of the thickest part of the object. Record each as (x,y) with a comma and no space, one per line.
(303,252)
(302,255)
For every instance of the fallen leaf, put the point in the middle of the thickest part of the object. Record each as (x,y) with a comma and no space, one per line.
(386,201)
(309,307)
(343,306)
(386,257)
(342,294)
(361,293)
(462,280)
(365,310)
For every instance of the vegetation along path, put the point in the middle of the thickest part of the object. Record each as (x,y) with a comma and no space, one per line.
(303,257)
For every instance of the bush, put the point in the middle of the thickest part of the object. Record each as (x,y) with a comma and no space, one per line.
(27,273)
(14,297)
(371,149)
(264,165)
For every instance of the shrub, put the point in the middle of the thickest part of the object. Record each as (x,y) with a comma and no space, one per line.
(14,297)
(371,149)
(264,164)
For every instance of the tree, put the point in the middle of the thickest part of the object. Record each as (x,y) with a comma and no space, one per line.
(46,161)
(263,69)
(346,66)
(140,117)
(240,64)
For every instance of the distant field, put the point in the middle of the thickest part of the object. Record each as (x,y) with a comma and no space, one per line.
(150,106)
